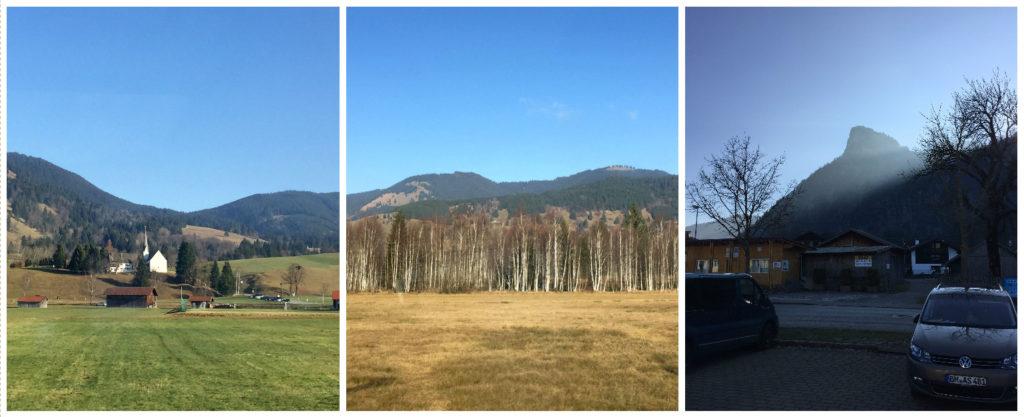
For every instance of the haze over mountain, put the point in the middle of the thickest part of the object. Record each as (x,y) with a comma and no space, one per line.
(871,187)
(51,204)
(461,187)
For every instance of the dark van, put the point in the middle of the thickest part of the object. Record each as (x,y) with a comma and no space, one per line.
(725,311)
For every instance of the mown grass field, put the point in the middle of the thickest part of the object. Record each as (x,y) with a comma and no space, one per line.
(94,358)
(512,351)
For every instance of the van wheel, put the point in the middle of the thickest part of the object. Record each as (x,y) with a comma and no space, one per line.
(767,339)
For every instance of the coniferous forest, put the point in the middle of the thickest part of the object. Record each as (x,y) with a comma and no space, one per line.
(542,252)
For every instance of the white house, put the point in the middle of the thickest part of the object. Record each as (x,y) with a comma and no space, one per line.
(120,268)
(928,257)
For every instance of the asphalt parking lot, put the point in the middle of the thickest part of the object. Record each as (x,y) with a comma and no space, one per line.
(798,378)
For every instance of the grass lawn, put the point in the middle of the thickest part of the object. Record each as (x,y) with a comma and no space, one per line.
(512,351)
(94,358)
(253,265)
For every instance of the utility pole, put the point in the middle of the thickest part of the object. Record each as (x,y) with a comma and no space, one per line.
(696,219)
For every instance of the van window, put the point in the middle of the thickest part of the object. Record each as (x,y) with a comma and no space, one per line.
(748,291)
(709,293)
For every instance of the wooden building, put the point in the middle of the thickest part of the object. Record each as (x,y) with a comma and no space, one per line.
(32,301)
(138,297)
(859,252)
(773,261)
(336,297)
(201,301)
(977,263)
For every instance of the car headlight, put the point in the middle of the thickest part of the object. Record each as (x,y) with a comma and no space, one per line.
(919,354)
(1010,362)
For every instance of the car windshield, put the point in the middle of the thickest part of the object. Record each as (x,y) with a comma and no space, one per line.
(969,310)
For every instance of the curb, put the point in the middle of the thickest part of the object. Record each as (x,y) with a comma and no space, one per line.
(837,346)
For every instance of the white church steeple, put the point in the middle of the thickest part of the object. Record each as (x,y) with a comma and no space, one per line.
(145,252)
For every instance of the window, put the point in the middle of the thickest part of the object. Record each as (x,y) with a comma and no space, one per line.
(714,265)
(759,266)
(749,292)
(736,253)
(727,253)
(702,265)
(785,265)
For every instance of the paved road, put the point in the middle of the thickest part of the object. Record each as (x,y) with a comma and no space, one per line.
(846,317)
(794,378)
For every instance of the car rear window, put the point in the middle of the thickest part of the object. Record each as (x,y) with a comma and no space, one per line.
(970,311)
(709,293)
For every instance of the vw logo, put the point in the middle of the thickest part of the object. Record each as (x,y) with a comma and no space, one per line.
(965,362)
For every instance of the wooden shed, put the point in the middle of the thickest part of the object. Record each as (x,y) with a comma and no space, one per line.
(32,301)
(201,301)
(138,297)
(336,297)
(858,251)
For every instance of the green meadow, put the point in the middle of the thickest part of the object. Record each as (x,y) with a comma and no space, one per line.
(94,358)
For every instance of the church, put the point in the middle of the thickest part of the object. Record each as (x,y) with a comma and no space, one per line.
(157,263)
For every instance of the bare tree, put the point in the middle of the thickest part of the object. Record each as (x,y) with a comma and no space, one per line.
(976,140)
(26,283)
(741,191)
(323,293)
(294,276)
(91,284)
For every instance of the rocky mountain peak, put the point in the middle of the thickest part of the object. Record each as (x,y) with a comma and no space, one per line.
(864,141)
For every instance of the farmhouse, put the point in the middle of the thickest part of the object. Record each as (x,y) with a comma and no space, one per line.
(120,268)
(138,297)
(928,257)
(859,252)
(336,296)
(773,261)
(201,301)
(32,301)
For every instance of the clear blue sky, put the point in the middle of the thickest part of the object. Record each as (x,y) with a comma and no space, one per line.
(797,79)
(181,108)
(509,93)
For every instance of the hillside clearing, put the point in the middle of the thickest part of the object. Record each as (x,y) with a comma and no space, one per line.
(94,358)
(200,232)
(512,351)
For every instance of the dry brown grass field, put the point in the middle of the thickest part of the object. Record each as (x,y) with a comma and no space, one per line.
(200,232)
(513,351)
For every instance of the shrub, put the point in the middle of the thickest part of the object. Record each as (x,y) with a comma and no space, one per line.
(872,277)
(846,277)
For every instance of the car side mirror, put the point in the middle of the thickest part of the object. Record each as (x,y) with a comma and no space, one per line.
(916,318)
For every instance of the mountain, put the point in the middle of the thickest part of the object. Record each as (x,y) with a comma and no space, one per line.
(657,195)
(871,187)
(48,204)
(467,185)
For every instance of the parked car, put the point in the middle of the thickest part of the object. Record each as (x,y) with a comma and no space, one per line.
(964,346)
(725,311)
(101,304)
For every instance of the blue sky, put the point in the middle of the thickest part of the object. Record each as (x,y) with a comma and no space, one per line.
(797,79)
(181,108)
(511,94)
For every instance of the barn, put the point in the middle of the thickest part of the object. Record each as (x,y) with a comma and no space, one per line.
(336,296)
(138,297)
(32,301)
(201,301)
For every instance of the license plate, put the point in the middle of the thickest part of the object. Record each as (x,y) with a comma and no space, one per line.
(972,381)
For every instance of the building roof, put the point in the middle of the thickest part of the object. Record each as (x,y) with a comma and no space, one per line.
(130,291)
(32,299)
(201,299)
(865,234)
(735,242)
(929,242)
(336,295)
(847,249)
